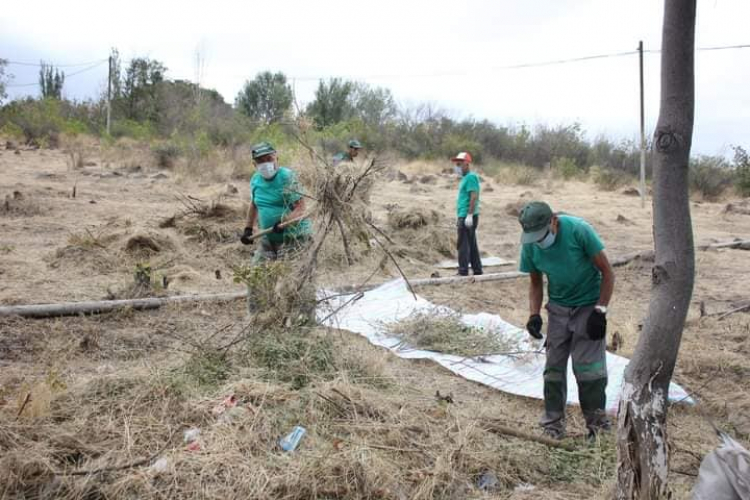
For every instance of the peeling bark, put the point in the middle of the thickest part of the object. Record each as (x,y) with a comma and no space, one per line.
(642,450)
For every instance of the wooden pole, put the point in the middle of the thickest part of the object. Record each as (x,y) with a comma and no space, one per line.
(109,94)
(643,129)
(103,306)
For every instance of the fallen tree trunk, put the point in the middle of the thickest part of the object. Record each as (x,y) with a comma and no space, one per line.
(104,306)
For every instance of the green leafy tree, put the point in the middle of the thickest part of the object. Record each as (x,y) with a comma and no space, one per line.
(266,98)
(374,106)
(138,99)
(51,81)
(333,102)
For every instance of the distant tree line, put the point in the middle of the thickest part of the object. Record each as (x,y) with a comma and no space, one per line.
(148,105)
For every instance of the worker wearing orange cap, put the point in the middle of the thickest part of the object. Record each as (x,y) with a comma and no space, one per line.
(467,211)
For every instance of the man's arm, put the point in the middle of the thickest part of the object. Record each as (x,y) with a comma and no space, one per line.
(536,293)
(608,278)
(252,214)
(472,201)
(298,210)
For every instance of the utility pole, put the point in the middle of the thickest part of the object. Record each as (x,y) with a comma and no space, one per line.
(109,93)
(643,131)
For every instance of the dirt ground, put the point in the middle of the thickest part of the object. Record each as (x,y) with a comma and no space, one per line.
(56,247)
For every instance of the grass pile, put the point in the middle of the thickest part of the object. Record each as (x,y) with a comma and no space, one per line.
(443,331)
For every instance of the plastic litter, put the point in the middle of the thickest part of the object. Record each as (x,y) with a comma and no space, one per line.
(724,473)
(191,435)
(291,440)
(161,465)
(229,402)
(488,481)
(520,487)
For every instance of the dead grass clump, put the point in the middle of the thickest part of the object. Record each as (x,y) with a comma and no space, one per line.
(426,244)
(514,209)
(18,204)
(737,208)
(443,331)
(205,222)
(89,240)
(145,244)
(412,219)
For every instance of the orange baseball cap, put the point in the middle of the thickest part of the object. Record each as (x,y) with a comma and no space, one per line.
(462,156)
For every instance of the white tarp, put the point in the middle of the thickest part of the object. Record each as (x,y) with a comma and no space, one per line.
(486,262)
(516,374)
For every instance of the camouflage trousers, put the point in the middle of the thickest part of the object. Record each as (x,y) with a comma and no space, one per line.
(567,338)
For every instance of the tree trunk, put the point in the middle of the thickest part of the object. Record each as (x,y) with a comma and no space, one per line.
(642,451)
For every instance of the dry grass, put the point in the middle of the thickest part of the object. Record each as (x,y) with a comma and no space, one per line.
(443,331)
(412,219)
(372,432)
(110,391)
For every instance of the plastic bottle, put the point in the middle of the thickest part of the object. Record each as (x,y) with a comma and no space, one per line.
(291,440)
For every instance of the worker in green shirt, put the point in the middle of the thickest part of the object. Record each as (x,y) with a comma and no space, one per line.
(580,282)
(275,199)
(467,211)
(348,156)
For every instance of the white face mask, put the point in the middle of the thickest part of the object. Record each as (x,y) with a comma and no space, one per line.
(458,170)
(547,241)
(267,169)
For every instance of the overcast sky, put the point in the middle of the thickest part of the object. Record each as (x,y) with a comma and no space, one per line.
(449,53)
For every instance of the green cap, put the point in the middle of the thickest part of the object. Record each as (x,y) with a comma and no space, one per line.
(535,218)
(262,149)
(354,143)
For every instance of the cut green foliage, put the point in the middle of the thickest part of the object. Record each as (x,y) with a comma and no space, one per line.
(445,332)
(295,356)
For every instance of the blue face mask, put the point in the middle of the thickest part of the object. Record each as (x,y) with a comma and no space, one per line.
(458,171)
(547,241)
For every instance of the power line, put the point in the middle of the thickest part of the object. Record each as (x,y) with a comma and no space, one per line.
(39,65)
(554,62)
(725,47)
(15,85)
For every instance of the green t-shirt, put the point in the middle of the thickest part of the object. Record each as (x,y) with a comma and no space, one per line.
(469,183)
(342,156)
(274,199)
(572,278)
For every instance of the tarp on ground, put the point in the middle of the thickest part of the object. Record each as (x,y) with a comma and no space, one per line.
(520,374)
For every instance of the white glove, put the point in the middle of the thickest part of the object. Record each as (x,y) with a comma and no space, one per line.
(469,221)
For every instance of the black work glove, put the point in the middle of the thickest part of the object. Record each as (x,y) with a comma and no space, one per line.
(596,326)
(534,326)
(246,237)
(277,229)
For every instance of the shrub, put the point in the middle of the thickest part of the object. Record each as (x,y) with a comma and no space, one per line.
(607,179)
(11,131)
(40,120)
(742,171)
(166,153)
(135,130)
(710,176)
(565,167)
